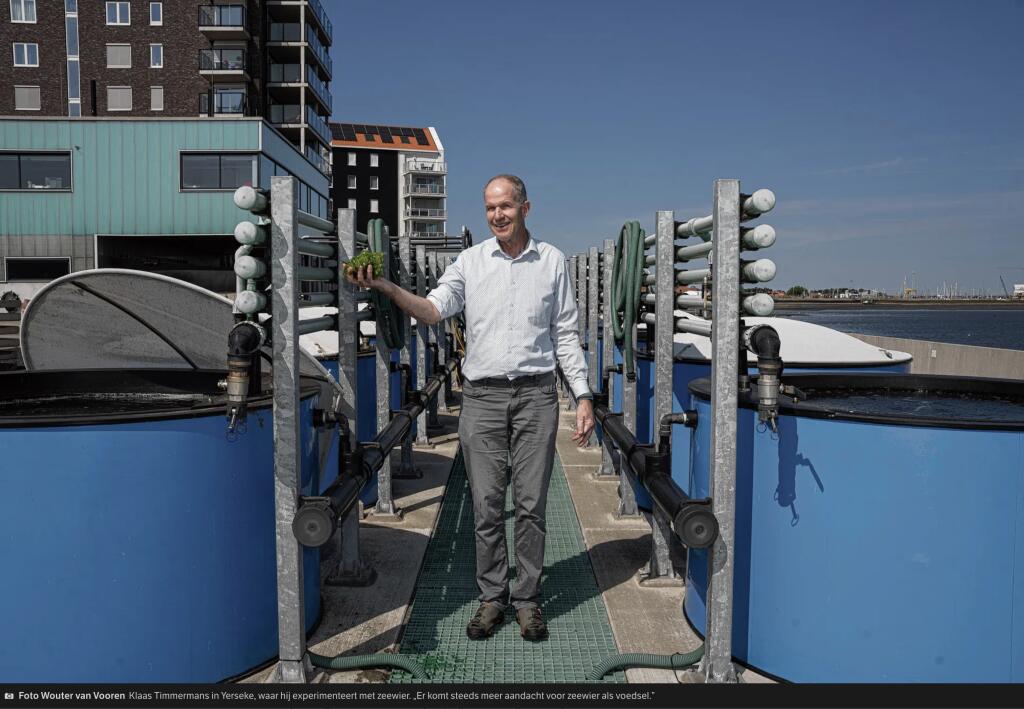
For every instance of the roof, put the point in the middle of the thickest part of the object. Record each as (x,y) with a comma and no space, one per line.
(359,135)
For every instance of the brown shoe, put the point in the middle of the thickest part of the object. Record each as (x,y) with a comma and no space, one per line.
(488,617)
(531,626)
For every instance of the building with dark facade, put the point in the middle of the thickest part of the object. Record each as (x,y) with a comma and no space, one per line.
(393,173)
(173,59)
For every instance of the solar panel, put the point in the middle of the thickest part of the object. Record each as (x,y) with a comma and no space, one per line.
(371,130)
(421,137)
(358,128)
(385,135)
(370,138)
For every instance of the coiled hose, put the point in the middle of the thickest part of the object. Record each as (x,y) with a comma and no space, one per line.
(380,659)
(678,661)
(627,277)
(390,322)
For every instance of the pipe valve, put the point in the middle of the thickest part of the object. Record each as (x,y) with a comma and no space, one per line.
(244,342)
(763,340)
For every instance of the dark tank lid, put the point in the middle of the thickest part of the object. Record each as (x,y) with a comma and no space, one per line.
(903,399)
(123,319)
(104,396)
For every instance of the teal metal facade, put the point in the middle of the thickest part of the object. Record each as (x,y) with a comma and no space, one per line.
(126,181)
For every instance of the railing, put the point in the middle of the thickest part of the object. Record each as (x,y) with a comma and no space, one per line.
(426,189)
(426,166)
(222,60)
(423,212)
(285,32)
(319,124)
(286,73)
(318,86)
(319,49)
(285,113)
(318,160)
(321,15)
(221,16)
(223,103)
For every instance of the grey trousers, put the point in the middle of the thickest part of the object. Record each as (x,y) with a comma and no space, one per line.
(498,427)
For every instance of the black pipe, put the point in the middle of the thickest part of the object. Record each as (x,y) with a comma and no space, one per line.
(316,518)
(692,520)
(763,340)
(244,370)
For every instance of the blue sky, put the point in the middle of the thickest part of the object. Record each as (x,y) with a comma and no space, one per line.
(891,132)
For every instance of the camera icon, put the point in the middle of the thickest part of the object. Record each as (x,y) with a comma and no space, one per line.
(8,695)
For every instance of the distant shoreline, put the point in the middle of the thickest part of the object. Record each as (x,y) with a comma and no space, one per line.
(893,304)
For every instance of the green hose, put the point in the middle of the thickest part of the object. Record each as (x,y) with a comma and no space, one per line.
(627,277)
(677,661)
(390,322)
(380,659)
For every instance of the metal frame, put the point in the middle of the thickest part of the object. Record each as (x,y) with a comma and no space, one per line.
(434,333)
(609,460)
(405,467)
(294,664)
(422,440)
(385,502)
(717,664)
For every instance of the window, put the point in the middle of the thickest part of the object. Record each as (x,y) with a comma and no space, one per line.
(156,98)
(218,172)
(119,98)
(119,13)
(351,204)
(156,13)
(71,30)
(23,10)
(36,269)
(70,5)
(74,88)
(374,206)
(26,98)
(352,159)
(374,182)
(374,160)
(351,182)
(119,56)
(35,171)
(156,56)
(26,54)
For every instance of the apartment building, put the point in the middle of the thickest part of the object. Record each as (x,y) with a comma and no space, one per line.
(126,125)
(394,173)
(173,59)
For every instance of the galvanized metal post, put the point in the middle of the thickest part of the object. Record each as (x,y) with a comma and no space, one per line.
(609,467)
(351,570)
(662,538)
(385,501)
(448,333)
(717,662)
(422,440)
(574,280)
(435,339)
(593,268)
(293,665)
(405,467)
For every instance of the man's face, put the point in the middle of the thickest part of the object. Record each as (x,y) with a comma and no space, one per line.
(505,216)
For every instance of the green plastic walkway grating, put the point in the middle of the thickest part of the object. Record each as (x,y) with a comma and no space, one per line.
(446,598)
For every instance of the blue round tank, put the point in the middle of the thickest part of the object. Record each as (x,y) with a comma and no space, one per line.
(139,543)
(875,545)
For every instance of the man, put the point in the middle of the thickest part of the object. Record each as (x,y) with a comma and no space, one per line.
(520,319)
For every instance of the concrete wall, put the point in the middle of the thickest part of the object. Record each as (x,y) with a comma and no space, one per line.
(947,358)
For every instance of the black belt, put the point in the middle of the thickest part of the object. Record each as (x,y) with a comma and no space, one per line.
(505,382)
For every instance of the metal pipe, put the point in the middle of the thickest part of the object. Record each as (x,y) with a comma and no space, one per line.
(698,226)
(696,275)
(758,271)
(312,248)
(758,203)
(314,222)
(249,267)
(682,301)
(365,314)
(759,237)
(760,304)
(250,234)
(313,273)
(309,299)
(316,519)
(251,199)
(689,253)
(327,322)
(697,327)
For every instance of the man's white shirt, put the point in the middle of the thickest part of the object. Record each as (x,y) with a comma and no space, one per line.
(520,313)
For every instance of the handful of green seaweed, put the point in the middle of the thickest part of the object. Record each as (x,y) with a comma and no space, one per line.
(366,258)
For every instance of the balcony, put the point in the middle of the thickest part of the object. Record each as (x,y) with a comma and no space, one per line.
(319,161)
(285,32)
(285,74)
(319,50)
(431,189)
(318,124)
(223,103)
(286,113)
(319,88)
(429,166)
(223,21)
(223,64)
(321,16)
(423,213)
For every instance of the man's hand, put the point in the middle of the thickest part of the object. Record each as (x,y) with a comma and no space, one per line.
(584,421)
(364,278)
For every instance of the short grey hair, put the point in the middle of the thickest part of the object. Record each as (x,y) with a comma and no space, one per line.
(518,186)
